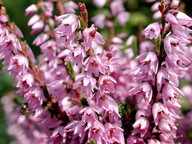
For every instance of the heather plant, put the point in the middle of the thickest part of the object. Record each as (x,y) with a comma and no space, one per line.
(84,88)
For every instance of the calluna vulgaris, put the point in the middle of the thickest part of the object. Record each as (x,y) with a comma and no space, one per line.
(88,90)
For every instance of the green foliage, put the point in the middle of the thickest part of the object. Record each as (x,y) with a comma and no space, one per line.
(70,71)
(92,141)
(84,102)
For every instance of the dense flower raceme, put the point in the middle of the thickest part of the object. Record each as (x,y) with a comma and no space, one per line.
(158,73)
(83,91)
(18,59)
(94,83)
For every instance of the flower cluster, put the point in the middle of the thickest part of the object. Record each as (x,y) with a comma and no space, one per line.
(158,74)
(84,88)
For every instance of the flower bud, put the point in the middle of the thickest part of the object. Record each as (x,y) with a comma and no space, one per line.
(153,30)
(174,4)
(31,10)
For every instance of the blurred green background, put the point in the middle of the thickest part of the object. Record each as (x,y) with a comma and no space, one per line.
(140,13)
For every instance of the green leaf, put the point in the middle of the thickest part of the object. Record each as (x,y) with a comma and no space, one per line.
(84,102)
(93,141)
(82,22)
(70,71)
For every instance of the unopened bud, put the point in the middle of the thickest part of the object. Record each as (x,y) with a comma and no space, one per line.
(81,6)
(174,4)
(3,18)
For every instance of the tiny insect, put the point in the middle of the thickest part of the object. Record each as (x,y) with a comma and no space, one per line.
(24,109)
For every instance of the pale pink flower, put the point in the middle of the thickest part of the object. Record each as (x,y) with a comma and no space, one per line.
(88,117)
(174,4)
(97,132)
(123,17)
(40,39)
(141,126)
(153,30)
(165,138)
(148,63)
(3,18)
(99,3)
(91,38)
(70,6)
(167,126)
(129,41)
(31,10)
(34,19)
(99,20)
(183,18)
(106,106)
(157,15)
(37,27)
(155,6)
(88,83)
(48,8)
(106,84)
(171,19)
(164,77)
(182,32)
(18,65)
(154,141)
(67,28)
(114,134)
(49,48)
(26,81)
(134,140)
(94,65)
(116,7)
(144,94)
(146,46)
